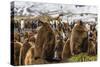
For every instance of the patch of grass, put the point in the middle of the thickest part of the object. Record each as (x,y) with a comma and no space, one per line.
(82,57)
